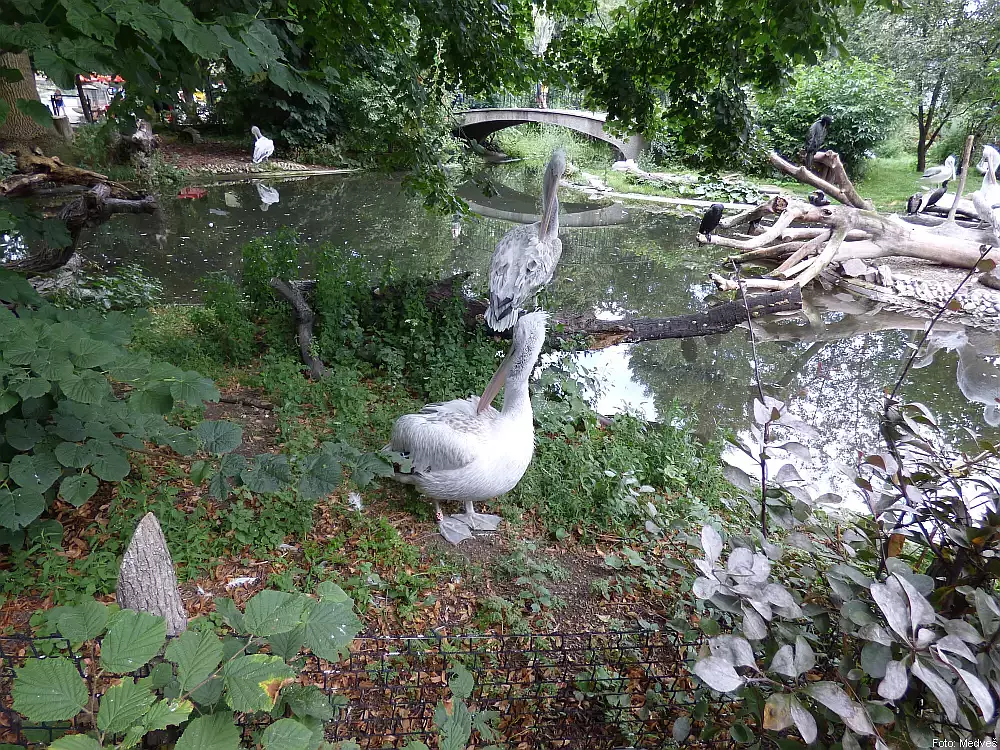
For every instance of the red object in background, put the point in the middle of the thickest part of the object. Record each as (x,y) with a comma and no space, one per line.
(99,78)
(192,192)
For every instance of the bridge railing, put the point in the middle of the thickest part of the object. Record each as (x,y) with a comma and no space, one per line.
(556,99)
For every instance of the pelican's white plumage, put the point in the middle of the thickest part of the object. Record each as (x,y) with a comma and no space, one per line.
(987,198)
(989,153)
(526,257)
(262,147)
(467,453)
(942,173)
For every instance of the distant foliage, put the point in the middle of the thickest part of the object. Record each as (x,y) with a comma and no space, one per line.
(864,100)
(129,288)
(8,165)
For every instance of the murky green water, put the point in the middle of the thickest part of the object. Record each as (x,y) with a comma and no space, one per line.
(832,372)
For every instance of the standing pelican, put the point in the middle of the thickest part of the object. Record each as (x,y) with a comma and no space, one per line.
(983,165)
(465,450)
(526,257)
(939,174)
(262,147)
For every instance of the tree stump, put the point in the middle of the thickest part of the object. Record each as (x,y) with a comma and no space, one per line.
(63,127)
(146,579)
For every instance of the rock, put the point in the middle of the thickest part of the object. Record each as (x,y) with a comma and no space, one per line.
(991,279)
(856,267)
(193,134)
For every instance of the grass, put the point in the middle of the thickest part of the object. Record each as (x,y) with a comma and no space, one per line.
(889,182)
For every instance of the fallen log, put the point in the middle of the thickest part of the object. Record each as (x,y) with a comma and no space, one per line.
(304,319)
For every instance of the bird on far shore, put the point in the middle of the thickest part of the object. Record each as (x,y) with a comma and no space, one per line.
(711,220)
(526,257)
(815,137)
(819,199)
(263,147)
(942,173)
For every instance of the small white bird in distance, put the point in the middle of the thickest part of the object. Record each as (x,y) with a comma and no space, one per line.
(262,147)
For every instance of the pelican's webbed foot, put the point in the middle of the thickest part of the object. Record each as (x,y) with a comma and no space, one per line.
(454,529)
(478,521)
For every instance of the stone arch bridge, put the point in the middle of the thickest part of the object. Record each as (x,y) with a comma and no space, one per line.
(480,123)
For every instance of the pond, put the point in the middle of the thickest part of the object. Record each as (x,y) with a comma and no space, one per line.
(831,366)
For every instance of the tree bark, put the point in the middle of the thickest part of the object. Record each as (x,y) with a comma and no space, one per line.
(304,318)
(18,127)
(146,579)
(88,113)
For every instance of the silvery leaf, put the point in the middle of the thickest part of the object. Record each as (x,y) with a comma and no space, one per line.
(850,573)
(783,662)
(705,567)
(987,611)
(761,414)
(796,449)
(773,403)
(711,542)
(773,551)
(893,607)
(652,528)
(805,659)
(718,674)
(804,721)
(876,634)
(763,608)
(786,474)
(874,659)
(761,568)
(921,611)
(789,613)
(895,682)
(850,742)
(941,689)
(925,637)
(778,595)
(955,645)
(754,627)
(740,562)
(923,584)
(831,695)
(963,630)
(800,541)
(734,649)
(704,588)
(777,712)
(980,692)
(805,429)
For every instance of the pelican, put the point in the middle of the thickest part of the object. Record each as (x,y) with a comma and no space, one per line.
(942,173)
(262,147)
(526,257)
(983,165)
(465,450)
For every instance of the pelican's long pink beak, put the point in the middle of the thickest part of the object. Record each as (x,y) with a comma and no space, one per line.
(496,383)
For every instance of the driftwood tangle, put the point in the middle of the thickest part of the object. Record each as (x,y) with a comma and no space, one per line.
(146,579)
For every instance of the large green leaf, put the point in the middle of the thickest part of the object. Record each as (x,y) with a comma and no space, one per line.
(198,39)
(19,508)
(74,455)
(252,682)
(90,353)
(33,387)
(75,742)
(133,639)
(166,713)
(269,474)
(225,607)
(322,476)
(23,434)
(308,700)
(35,471)
(287,644)
(152,401)
(330,628)
(219,436)
(212,732)
(197,654)
(49,690)
(77,489)
(287,734)
(81,622)
(88,19)
(123,706)
(193,388)
(89,387)
(111,463)
(271,612)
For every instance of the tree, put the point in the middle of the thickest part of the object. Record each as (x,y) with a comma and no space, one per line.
(17,84)
(941,50)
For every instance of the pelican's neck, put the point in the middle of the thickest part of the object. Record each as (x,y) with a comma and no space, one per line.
(516,399)
(256,132)
(549,224)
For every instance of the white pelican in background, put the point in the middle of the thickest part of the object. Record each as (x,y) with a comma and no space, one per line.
(467,451)
(939,174)
(526,257)
(262,147)
(983,165)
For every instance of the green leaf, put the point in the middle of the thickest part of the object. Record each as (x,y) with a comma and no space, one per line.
(88,353)
(35,471)
(19,508)
(36,111)
(90,387)
(287,644)
(49,690)
(307,700)
(455,725)
(33,387)
(329,591)
(11,75)
(85,17)
(81,622)
(8,401)
(133,639)
(198,39)
(287,734)
(192,388)
(269,474)
(322,476)
(460,681)
(23,434)
(74,455)
(232,465)
(218,487)
(212,732)
(166,713)
(123,706)
(78,489)
(110,464)
(330,628)
(233,617)
(75,742)
(219,436)
(252,682)
(209,694)
(151,401)
(271,612)
(197,654)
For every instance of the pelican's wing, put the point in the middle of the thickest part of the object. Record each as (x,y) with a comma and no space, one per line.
(440,437)
(521,265)
(934,171)
(262,149)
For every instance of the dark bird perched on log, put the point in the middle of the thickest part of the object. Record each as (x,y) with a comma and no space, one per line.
(935,195)
(920,202)
(815,138)
(711,220)
(913,203)
(819,199)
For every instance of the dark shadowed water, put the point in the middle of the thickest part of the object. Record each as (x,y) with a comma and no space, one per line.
(832,370)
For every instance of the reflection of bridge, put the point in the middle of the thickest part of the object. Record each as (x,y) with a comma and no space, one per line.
(479,123)
(597,217)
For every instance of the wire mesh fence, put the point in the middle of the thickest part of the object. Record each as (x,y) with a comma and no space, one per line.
(586,691)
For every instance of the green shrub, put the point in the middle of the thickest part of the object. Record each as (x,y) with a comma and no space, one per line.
(224,320)
(863,99)
(8,165)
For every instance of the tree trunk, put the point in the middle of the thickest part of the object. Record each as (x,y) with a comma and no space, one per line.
(146,579)
(18,127)
(88,113)
(304,318)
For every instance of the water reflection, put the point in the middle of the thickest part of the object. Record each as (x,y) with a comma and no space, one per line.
(831,363)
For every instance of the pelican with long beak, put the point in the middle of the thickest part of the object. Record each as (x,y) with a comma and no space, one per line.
(939,174)
(465,450)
